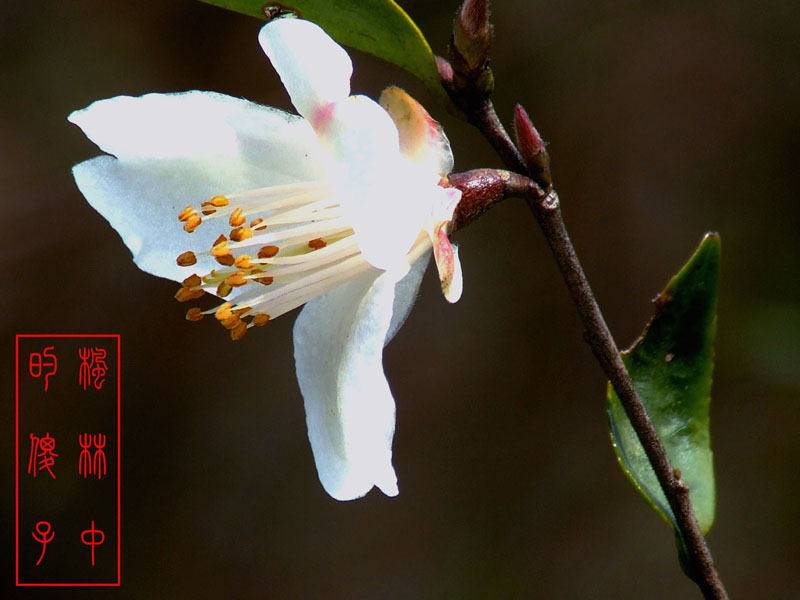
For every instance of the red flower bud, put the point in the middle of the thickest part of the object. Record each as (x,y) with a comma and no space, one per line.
(532,148)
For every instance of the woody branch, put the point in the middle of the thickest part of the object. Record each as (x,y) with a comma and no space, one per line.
(469,83)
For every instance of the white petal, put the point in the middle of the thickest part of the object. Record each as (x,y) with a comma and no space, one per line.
(196,125)
(422,139)
(405,294)
(383,195)
(338,341)
(139,200)
(141,197)
(446,253)
(314,69)
(453,293)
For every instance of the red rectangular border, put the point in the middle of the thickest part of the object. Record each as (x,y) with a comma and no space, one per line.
(16,458)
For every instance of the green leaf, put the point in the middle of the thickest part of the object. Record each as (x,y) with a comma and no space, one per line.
(379,27)
(671,366)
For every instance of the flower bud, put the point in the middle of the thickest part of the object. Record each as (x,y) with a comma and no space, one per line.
(469,49)
(472,33)
(532,148)
(445,72)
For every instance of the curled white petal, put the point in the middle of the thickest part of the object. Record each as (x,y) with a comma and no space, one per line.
(338,341)
(314,69)
(453,295)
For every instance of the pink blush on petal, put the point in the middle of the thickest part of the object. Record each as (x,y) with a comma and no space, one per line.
(322,117)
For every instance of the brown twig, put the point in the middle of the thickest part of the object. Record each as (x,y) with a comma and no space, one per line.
(481,189)
(484,187)
(700,565)
(469,82)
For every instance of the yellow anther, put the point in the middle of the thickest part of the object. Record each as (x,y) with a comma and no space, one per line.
(186,213)
(264,280)
(243,262)
(226,260)
(186,259)
(317,243)
(194,314)
(238,332)
(224,311)
(260,319)
(236,218)
(256,222)
(192,281)
(208,208)
(268,251)
(231,322)
(241,233)
(220,247)
(223,289)
(192,223)
(236,279)
(219,201)
(185,294)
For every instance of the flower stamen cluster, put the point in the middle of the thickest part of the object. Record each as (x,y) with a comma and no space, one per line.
(298,243)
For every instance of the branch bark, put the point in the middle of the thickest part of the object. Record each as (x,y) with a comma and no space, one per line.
(544,204)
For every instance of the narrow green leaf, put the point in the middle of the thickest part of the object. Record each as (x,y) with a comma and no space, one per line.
(379,27)
(671,365)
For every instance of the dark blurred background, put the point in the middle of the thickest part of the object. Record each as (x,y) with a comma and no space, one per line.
(665,120)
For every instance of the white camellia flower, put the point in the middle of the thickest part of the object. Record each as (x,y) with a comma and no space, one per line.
(336,209)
